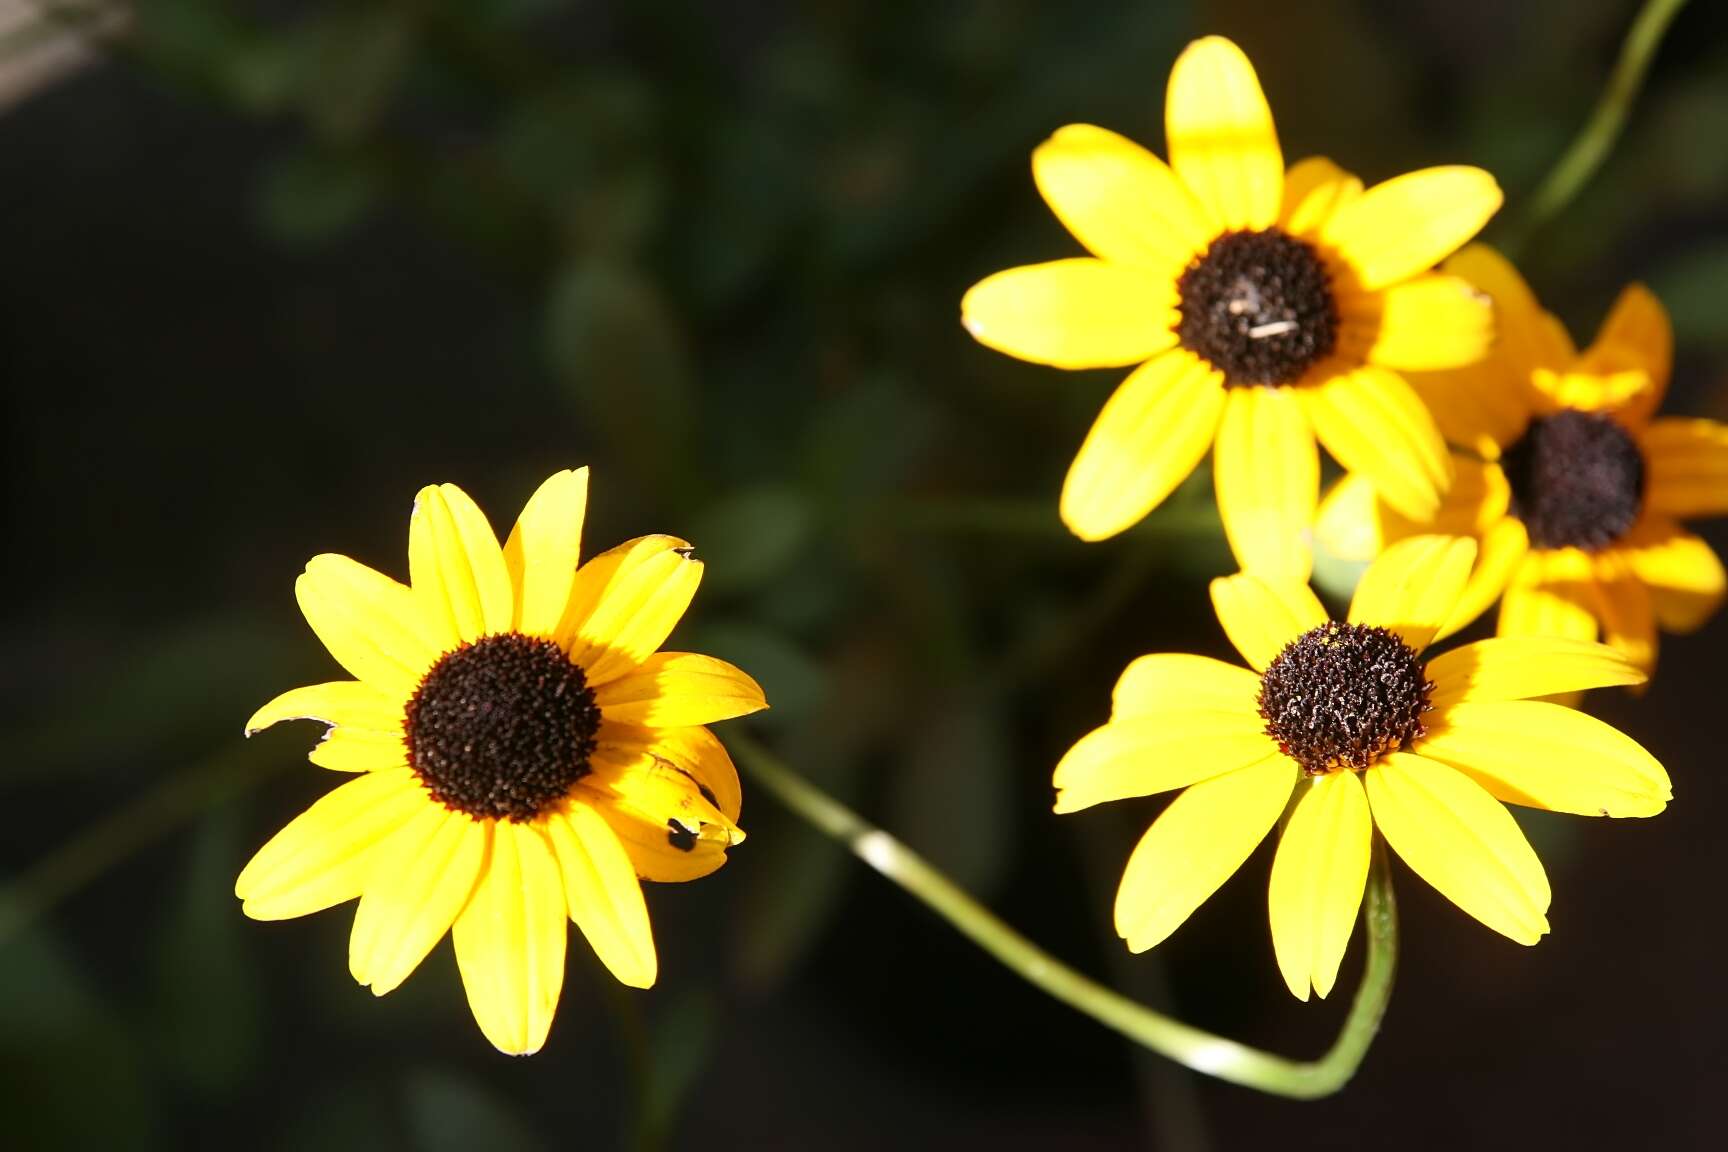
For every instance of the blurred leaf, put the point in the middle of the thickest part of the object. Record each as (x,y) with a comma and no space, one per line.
(185,37)
(864,442)
(68,1077)
(683,1041)
(952,800)
(613,337)
(309,197)
(751,536)
(352,1116)
(207,987)
(449,1113)
(355,59)
(1693,286)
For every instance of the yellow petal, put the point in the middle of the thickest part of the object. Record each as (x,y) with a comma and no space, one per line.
(1591,388)
(1314,189)
(1193,847)
(420,879)
(1521,667)
(1550,594)
(1119,200)
(1526,337)
(1151,754)
(1266,470)
(1414,586)
(1317,881)
(1373,422)
(1220,135)
(544,549)
(349,703)
(1424,324)
(1688,467)
(678,689)
(1685,578)
(1353,523)
(1500,554)
(1623,605)
(1261,618)
(693,751)
(372,625)
(1172,681)
(1480,407)
(1410,223)
(322,856)
(1458,838)
(1078,313)
(625,602)
(671,830)
(1639,324)
(1147,439)
(510,940)
(1547,756)
(359,750)
(456,566)
(603,895)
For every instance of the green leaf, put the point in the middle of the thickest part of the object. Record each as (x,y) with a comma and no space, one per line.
(864,443)
(1693,286)
(310,197)
(356,57)
(750,536)
(450,1113)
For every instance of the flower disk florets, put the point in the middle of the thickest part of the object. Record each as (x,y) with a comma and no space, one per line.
(502,727)
(1577,480)
(1344,695)
(1258,306)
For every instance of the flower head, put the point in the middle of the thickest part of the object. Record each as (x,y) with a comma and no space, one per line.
(1350,727)
(1264,308)
(523,753)
(1573,488)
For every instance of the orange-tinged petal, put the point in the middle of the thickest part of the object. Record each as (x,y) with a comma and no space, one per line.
(1526,337)
(1682,572)
(1147,439)
(1266,469)
(1146,755)
(1521,667)
(603,896)
(1373,422)
(625,602)
(1261,617)
(1078,313)
(1119,200)
(1195,845)
(679,689)
(1481,407)
(1414,586)
(544,549)
(372,625)
(1499,555)
(1639,324)
(510,940)
(1623,605)
(456,566)
(1688,467)
(1408,224)
(1458,838)
(1219,131)
(1318,878)
(1550,594)
(1549,756)
(1167,681)
(420,880)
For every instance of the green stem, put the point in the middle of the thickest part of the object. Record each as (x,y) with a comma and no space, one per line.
(1596,139)
(1197,1049)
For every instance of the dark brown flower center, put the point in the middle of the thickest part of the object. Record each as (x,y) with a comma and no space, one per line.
(1258,306)
(1344,695)
(1577,480)
(502,727)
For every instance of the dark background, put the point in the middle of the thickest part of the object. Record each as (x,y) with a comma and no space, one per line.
(270,267)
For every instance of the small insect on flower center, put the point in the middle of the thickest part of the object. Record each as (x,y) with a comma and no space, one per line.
(1258,306)
(1577,480)
(1344,695)
(500,728)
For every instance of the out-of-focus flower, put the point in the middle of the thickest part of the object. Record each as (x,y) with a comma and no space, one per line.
(1572,487)
(1368,734)
(524,750)
(1264,307)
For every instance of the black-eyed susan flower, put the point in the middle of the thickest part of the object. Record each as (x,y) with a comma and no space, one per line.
(1574,490)
(1264,308)
(1350,728)
(523,750)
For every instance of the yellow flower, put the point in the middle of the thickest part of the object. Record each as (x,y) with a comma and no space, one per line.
(1367,734)
(1574,491)
(1264,307)
(524,753)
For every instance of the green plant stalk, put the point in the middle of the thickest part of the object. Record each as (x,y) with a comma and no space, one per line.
(1192,1047)
(1597,138)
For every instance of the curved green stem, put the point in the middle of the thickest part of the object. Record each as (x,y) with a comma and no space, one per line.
(1594,141)
(1197,1049)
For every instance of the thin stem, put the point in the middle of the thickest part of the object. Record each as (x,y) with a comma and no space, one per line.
(1596,139)
(1197,1049)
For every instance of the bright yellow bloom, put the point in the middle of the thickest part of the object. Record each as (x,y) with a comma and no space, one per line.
(525,754)
(1367,734)
(1574,491)
(1264,307)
